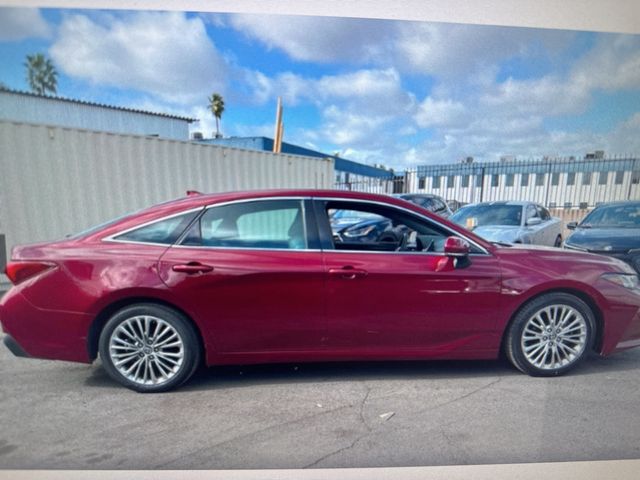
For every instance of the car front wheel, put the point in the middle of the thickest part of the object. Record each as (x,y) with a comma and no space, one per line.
(149,348)
(550,335)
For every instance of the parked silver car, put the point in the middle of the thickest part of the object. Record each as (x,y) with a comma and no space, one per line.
(431,202)
(511,222)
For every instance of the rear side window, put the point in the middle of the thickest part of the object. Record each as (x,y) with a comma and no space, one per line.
(165,232)
(272,224)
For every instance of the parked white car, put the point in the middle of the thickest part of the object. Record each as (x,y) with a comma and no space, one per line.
(511,222)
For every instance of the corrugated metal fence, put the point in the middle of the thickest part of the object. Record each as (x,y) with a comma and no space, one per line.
(55,181)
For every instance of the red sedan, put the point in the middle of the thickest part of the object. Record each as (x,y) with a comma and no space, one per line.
(258,277)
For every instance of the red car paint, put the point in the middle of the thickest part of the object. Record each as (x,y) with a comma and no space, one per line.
(257,306)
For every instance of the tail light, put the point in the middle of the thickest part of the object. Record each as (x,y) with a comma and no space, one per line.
(20,271)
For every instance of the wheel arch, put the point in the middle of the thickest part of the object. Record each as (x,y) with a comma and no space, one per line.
(103,316)
(585,297)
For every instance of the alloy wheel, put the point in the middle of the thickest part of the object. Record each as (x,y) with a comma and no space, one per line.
(554,337)
(146,350)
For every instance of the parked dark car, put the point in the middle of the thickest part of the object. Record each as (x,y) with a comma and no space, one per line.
(259,277)
(611,229)
(431,202)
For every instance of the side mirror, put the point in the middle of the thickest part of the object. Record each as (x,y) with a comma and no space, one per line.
(572,225)
(534,221)
(456,247)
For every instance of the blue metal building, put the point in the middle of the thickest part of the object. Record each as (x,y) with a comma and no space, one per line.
(26,107)
(346,170)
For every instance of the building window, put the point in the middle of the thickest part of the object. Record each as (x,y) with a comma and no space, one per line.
(422,183)
(602,179)
(495,180)
(586,178)
(509,180)
(435,182)
(555,178)
(479,180)
(451,181)
(524,180)
(635,178)
(583,205)
(553,205)
(568,205)
(465,181)
(571,178)
(540,179)
(619,177)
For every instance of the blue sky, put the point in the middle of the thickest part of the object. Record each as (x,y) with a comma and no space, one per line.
(397,93)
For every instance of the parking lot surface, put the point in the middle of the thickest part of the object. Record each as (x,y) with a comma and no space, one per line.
(61,415)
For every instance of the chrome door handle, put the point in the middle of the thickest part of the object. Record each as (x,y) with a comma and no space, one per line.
(192,268)
(348,273)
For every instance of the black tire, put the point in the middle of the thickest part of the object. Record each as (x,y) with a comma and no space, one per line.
(170,324)
(582,336)
(558,242)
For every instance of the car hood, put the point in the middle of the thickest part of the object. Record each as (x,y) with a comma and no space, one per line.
(499,233)
(605,239)
(556,262)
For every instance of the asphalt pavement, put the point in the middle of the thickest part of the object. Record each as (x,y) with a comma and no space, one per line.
(58,415)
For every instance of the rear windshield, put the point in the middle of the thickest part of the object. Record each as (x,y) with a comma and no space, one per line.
(480,215)
(96,228)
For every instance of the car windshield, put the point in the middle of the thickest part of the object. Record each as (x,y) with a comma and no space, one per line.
(481,215)
(620,216)
(336,215)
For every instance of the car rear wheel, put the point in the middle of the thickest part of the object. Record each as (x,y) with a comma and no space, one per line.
(551,335)
(149,348)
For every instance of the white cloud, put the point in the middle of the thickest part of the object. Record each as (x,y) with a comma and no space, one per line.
(613,64)
(164,54)
(317,39)
(344,127)
(20,23)
(440,113)
(437,49)
(450,50)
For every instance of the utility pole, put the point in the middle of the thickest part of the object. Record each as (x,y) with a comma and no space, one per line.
(277,138)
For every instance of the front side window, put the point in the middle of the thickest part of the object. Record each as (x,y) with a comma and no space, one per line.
(543,212)
(382,229)
(271,224)
(165,232)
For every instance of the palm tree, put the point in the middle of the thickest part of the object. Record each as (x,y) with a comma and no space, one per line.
(216,105)
(41,74)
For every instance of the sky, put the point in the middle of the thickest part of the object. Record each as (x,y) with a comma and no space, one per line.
(396,93)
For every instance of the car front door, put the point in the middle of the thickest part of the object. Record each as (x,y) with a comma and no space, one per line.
(251,275)
(406,298)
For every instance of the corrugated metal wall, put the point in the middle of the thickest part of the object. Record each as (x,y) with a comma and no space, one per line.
(55,181)
(29,108)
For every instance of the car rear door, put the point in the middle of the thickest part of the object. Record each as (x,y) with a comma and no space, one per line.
(251,274)
(381,301)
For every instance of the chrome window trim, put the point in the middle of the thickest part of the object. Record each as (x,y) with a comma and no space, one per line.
(203,208)
(411,212)
(111,238)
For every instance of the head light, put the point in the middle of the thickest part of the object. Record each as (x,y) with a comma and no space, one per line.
(626,280)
